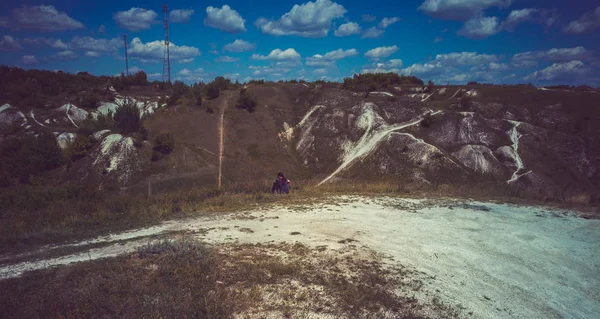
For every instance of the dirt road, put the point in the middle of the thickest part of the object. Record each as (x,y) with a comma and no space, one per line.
(493,260)
(222,135)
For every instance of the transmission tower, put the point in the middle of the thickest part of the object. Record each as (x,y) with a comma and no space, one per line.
(166,61)
(126,59)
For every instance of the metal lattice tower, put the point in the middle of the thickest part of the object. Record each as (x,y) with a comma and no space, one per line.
(126,58)
(167,59)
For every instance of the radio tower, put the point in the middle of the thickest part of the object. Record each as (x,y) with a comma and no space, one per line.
(167,61)
(126,59)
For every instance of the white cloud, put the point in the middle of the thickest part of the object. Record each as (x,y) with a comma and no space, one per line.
(154,75)
(465,58)
(458,77)
(275,71)
(340,54)
(459,10)
(29,59)
(320,71)
(65,55)
(517,17)
(239,46)
(102,28)
(136,19)
(368,18)
(8,43)
(153,51)
(226,59)
(180,15)
(393,65)
(279,55)
(372,33)
(555,54)
(318,60)
(225,19)
(425,69)
(437,39)
(311,19)
(386,22)
(41,18)
(183,61)
(134,70)
(184,72)
(52,42)
(566,71)
(381,52)
(480,27)
(92,54)
(192,76)
(451,67)
(347,29)
(96,45)
(586,23)
(330,57)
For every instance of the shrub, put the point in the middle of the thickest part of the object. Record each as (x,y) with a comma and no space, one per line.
(472,83)
(429,86)
(164,143)
(101,122)
(173,99)
(209,108)
(88,100)
(138,141)
(79,148)
(198,100)
(245,101)
(428,120)
(28,156)
(466,103)
(361,81)
(212,91)
(144,133)
(157,156)
(127,118)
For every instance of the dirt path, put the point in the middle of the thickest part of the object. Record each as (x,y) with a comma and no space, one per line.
(494,260)
(221,136)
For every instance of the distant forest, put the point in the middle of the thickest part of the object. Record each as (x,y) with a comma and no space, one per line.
(37,88)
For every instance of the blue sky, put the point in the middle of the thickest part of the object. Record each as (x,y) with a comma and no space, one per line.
(456,41)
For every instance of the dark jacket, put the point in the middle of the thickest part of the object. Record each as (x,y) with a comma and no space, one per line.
(280,186)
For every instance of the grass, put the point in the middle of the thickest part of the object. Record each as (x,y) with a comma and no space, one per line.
(33,216)
(187,279)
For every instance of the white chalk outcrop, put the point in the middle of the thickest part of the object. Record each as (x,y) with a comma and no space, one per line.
(116,157)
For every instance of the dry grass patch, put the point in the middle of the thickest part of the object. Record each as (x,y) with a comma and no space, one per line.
(186,279)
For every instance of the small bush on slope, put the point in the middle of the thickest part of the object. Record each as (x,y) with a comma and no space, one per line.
(78,149)
(29,156)
(164,143)
(127,118)
(245,101)
(101,122)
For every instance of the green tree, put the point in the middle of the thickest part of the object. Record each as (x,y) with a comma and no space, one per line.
(164,143)
(246,101)
(127,118)
(79,148)
(212,91)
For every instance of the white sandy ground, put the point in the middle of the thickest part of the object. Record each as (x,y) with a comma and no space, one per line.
(508,262)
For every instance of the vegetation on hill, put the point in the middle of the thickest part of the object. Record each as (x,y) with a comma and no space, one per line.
(33,88)
(246,101)
(26,157)
(127,118)
(373,81)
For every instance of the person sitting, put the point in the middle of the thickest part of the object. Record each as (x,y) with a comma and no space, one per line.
(281,185)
